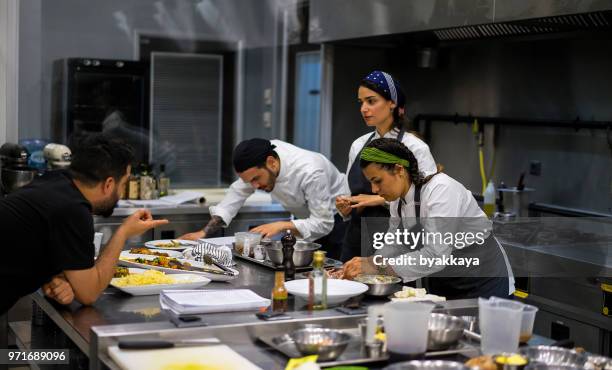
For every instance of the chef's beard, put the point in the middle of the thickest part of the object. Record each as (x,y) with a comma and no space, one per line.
(105,208)
(271,181)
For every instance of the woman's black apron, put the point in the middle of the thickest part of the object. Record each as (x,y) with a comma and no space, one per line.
(488,279)
(358,184)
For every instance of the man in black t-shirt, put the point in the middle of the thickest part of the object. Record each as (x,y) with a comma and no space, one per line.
(51,220)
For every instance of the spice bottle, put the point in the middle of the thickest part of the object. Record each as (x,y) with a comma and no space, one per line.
(279,293)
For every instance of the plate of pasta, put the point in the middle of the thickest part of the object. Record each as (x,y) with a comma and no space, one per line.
(149,282)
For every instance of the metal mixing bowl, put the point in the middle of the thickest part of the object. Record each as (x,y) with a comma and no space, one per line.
(428,365)
(554,356)
(327,343)
(16,177)
(444,331)
(303,252)
(379,289)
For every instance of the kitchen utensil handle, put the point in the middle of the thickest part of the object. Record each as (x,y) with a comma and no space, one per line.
(471,335)
(145,344)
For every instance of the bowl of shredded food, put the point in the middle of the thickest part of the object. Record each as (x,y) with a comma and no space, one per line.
(379,285)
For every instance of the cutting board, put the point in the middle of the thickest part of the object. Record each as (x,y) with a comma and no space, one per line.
(219,357)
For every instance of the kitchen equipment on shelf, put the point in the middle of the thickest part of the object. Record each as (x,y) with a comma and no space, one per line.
(14,172)
(58,156)
(35,148)
(14,178)
(13,155)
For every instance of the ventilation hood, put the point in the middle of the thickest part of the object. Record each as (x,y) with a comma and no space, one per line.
(448,20)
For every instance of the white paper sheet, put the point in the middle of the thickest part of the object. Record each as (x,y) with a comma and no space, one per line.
(207,301)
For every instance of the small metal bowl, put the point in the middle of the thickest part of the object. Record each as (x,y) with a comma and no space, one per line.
(444,331)
(303,252)
(549,355)
(327,343)
(428,365)
(379,289)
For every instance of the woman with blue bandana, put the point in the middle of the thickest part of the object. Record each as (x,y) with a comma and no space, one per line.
(381,102)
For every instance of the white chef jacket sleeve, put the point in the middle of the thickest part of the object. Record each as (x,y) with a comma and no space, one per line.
(443,207)
(422,153)
(237,194)
(321,219)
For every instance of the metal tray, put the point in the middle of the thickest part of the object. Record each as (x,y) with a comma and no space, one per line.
(354,353)
(329,262)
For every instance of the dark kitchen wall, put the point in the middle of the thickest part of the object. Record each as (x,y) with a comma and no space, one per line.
(546,79)
(51,30)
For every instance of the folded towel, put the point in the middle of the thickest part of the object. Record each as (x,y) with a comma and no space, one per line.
(220,253)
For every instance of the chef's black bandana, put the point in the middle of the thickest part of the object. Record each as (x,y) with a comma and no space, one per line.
(251,153)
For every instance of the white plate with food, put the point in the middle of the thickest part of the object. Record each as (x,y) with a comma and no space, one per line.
(172,265)
(171,244)
(156,252)
(149,282)
(338,290)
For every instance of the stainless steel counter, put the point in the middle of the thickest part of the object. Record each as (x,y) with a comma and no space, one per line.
(115,314)
(241,334)
(93,329)
(190,217)
(197,209)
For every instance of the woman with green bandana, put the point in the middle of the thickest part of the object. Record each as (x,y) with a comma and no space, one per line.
(436,230)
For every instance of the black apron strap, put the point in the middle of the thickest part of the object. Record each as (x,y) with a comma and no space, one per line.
(417,204)
(400,135)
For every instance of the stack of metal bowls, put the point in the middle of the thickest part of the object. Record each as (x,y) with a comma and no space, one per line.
(428,365)
(327,343)
(303,252)
(379,289)
(553,356)
(444,331)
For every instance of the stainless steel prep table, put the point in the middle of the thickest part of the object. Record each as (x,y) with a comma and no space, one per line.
(560,264)
(93,329)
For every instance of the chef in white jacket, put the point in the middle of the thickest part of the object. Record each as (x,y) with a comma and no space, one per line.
(305,183)
(436,229)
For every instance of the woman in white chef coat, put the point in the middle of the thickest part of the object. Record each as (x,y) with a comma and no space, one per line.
(381,101)
(432,204)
